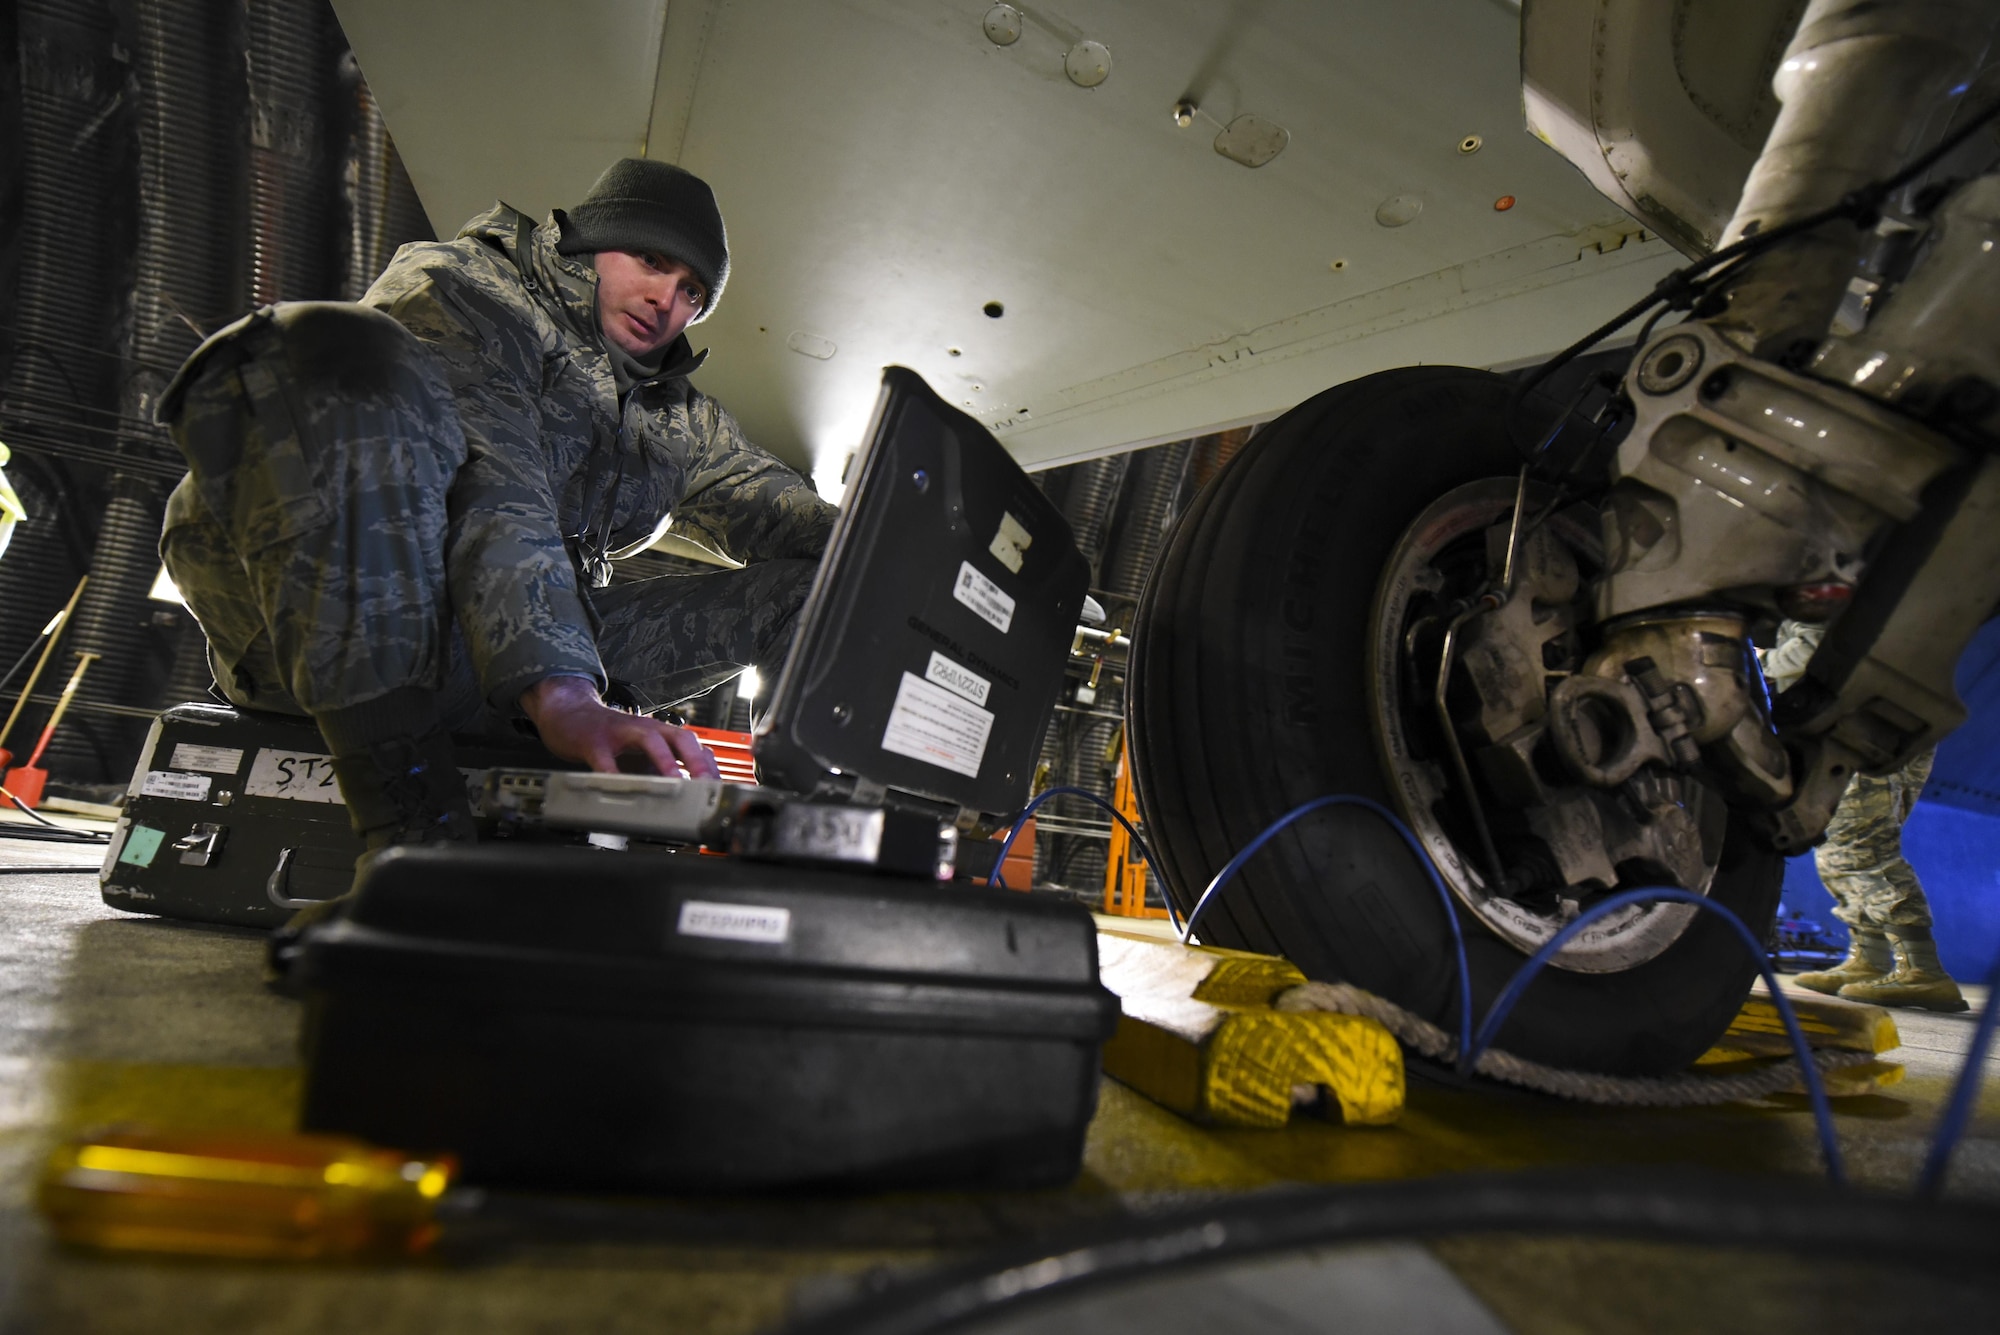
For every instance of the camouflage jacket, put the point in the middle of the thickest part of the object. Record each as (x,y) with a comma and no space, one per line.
(560,475)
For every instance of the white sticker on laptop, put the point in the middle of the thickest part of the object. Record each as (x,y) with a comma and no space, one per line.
(297,776)
(214,759)
(170,783)
(983,596)
(937,727)
(1011,543)
(955,678)
(759,923)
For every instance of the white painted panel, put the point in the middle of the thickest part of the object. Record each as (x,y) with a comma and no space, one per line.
(520,100)
(886,171)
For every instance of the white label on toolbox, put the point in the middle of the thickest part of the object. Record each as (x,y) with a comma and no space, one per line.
(955,678)
(167,783)
(983,596)
(299,776)
(735,922)
(214,759)
(933,725)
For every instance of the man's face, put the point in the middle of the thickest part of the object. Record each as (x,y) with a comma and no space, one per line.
(645,300)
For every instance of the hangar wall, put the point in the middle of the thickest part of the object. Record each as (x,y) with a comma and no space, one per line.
(175,162)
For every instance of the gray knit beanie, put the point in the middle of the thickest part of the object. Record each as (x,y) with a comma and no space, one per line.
(639,204)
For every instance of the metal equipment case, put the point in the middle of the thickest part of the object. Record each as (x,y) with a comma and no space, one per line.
(674,1022)
(231,813)
(217,798)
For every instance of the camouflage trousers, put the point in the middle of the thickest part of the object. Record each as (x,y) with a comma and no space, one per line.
(315,556)
(1862,862)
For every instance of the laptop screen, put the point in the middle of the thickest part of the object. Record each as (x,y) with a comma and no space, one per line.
(932,646)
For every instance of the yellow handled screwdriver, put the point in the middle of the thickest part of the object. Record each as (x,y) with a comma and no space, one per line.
(244,1195)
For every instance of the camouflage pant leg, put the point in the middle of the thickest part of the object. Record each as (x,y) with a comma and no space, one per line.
(1862,860)
(308,537)
(676,636)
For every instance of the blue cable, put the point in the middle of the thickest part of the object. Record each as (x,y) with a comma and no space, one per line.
(1518,984)
(1964,1093)
(1066,790)
(1950,1129)
(1395,823)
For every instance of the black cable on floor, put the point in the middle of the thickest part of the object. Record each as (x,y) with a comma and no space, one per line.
(1677,1205)
(54,835)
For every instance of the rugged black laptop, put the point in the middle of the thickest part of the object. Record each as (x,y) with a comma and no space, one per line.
(931,649)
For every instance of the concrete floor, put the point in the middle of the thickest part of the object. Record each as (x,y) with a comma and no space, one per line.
(107,1017)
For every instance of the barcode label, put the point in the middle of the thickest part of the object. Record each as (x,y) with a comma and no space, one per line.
(983,596)
(762,924)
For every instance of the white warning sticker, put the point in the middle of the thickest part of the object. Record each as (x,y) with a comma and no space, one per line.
(933,725)
(760,923)
(169,783)
(297,776)
(214,759)
(955,678)
(983,596)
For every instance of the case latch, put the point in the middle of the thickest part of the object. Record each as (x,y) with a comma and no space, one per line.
(201,845)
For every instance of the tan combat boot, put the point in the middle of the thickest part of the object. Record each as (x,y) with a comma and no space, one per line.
(1868,958)
(1918,980)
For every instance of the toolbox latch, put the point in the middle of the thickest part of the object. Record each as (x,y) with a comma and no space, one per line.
(201,845)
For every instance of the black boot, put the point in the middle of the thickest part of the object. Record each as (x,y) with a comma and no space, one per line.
(405,790)
(400,780)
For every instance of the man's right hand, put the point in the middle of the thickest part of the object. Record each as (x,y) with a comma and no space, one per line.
(576,724)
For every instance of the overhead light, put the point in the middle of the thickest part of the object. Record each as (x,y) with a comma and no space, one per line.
(1087,64)
(1252,140)
(748,684)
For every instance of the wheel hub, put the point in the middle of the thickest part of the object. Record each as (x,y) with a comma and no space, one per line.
(1485,691)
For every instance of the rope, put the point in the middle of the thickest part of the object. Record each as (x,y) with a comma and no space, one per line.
(1669,1091)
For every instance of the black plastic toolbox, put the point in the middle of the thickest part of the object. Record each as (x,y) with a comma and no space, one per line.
(655,1021)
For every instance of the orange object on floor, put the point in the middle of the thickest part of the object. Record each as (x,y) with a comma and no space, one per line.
(1018,871)
(25,785)
(1125,866)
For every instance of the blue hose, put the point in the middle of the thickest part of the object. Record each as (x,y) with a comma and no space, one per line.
(1503,1004)
(1964,1093)
(1950,1128)
(1395,823)
(1066,790)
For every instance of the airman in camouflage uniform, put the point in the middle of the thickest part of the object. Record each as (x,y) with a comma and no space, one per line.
(1892,957)
(401,515)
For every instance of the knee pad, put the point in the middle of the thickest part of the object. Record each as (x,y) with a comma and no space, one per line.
(353,352)
(334,348)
